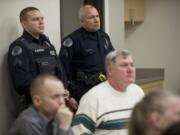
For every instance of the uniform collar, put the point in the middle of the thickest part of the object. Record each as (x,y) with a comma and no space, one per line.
(29,37)
(91,35)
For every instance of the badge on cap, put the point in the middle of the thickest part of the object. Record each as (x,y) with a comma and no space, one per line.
(17,50)
(68,42)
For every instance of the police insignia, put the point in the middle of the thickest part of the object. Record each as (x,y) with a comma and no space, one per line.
(47,43)
(52,52)
(17,50)
(68,42)
(106,44)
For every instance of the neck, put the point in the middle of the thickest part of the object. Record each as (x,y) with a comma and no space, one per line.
(117,86)
(35,36)
(152,132)
(49,117)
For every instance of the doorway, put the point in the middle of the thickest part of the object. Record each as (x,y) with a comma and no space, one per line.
(69,14)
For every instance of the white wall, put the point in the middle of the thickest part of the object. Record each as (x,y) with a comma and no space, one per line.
(69,16)
(155,43)
(116,22)
(10,29)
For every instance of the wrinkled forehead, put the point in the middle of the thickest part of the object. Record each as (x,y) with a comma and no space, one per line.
(122,58)
(34,13)
(89,11)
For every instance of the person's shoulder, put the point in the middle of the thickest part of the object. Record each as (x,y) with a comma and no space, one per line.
(16,47)
(91,97)
(73,34)
(103,33)
(26,122)
(133,85)
(26,115)
(72,38)
(136,88)
(44,37)
(96,91)
(30,115)
(18,41)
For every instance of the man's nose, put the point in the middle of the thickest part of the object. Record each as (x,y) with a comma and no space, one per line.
(41,21)
(96,19)
(61,100)
(130,68)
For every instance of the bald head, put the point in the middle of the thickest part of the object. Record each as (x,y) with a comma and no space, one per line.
(89,18)
(84,9)
(47,93)
(40,82)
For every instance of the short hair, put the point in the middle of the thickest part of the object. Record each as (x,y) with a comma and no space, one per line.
(153,102)
(111,56)
(23,13)
(83,9)
(39,81)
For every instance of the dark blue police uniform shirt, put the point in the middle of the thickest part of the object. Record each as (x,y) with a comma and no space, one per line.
(85,51)
(23,57)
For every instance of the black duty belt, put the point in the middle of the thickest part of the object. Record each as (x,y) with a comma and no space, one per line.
(90,79)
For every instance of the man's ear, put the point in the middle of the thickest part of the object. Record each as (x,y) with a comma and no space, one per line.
(81,22)
(156,120)
(36,100)
(23,23)
(109,70)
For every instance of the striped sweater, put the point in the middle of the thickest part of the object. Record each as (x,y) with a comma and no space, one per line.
(105,111)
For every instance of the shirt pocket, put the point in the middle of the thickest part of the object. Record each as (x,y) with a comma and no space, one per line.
(90,57)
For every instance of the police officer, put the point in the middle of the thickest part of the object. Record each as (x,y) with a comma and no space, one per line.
(83,53)
(32,54)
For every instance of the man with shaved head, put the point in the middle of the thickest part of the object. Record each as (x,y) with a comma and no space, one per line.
(48,115)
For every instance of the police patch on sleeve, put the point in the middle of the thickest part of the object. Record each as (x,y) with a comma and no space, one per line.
(68,42)
(17,50)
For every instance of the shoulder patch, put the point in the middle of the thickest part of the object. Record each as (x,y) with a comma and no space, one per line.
(17,50)
(68,42)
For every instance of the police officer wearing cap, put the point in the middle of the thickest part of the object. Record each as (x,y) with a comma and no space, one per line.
(83,53)
(32,54)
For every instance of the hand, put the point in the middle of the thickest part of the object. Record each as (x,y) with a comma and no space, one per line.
(66,95)
(64,117)
(72,103)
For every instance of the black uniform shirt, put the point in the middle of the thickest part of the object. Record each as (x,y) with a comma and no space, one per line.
(85,51)
(28,57)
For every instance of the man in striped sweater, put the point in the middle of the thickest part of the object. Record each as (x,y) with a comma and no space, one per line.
(106,108)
